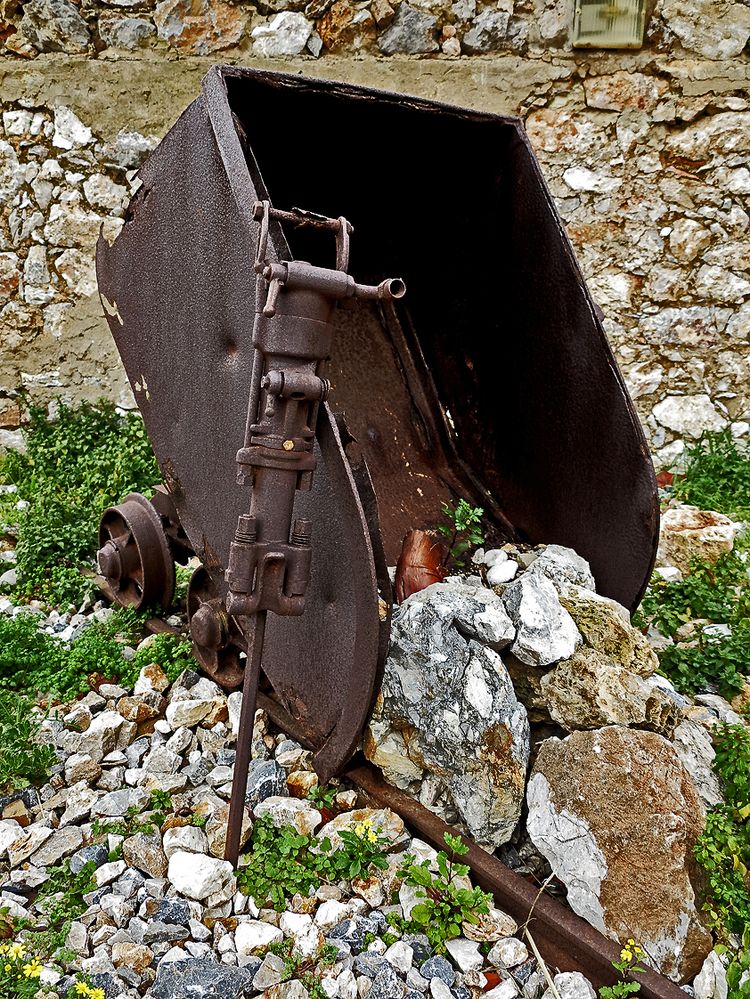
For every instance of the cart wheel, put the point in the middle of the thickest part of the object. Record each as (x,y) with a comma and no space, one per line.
(218,643)
(134,556)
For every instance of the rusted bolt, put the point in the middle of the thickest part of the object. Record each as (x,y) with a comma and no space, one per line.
(110,563)
(208,628)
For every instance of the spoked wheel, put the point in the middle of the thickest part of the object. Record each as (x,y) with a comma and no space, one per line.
(134,556)
(218,642)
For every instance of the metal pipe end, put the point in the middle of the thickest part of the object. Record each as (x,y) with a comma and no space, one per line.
(392,288)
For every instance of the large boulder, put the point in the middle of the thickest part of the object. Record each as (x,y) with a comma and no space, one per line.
(447,725)
(605,626)
(616,814)
(688,533)
(590,690)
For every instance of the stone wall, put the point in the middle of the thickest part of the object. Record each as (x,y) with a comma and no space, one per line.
(647,153)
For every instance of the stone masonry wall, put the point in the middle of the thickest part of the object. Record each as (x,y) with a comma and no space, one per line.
(647,154)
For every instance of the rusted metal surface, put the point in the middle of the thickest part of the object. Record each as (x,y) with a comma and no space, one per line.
(134,555)
(493,379)
(179,291)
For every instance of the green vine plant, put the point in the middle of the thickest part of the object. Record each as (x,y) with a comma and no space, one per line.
(446,903)
(629,964)
(283,861)
(723,849)
(463,530)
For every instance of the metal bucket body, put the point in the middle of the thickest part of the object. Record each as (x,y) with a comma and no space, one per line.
(492,380)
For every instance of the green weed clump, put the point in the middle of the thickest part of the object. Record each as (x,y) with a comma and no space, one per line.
(445,903)
(75,466)
(717,475)
(23,758)
(717,592)
(463,529)
(284,862)
(42,665)
(723,849)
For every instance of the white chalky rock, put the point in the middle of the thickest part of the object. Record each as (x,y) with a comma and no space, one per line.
(331,913)
(688,414)
(438,989)
(507,953)
(297,812)
(400,955)
(571,985)
(10,831)
(198,876)
(285,35)
(108,873)
(307,937)
(188,839)
(711,980)
(465,954)
(505,990)
(27,843)
(70,132)
(254,935)
(502,572)
(447,687)
(563,568)
(546,633)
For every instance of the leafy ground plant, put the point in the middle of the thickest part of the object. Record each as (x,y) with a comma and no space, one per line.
(63,903)
(446,904)
(629,964)
(19,971)
(283,861)
(23,758)
(717,475)
(718,592)
(723,849)
(307,970)
(738,968)
(74,467)
(463,530)
(42,665)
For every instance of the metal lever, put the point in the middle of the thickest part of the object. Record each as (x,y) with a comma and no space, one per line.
(269,559)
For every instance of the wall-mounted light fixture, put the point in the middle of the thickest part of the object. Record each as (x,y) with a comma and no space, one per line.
(609,24)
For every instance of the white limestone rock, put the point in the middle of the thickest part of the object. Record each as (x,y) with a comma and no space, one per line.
(198,876)
(545,631)
(447,719)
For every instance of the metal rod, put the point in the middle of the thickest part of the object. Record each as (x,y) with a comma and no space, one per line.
(255,633)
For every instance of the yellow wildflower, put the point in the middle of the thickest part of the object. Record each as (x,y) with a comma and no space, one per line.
(7,967)
(33,969)
(82,989)
(17,950)
(96,993)
(626,954)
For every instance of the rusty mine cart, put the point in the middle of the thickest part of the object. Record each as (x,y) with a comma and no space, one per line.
(480,370)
